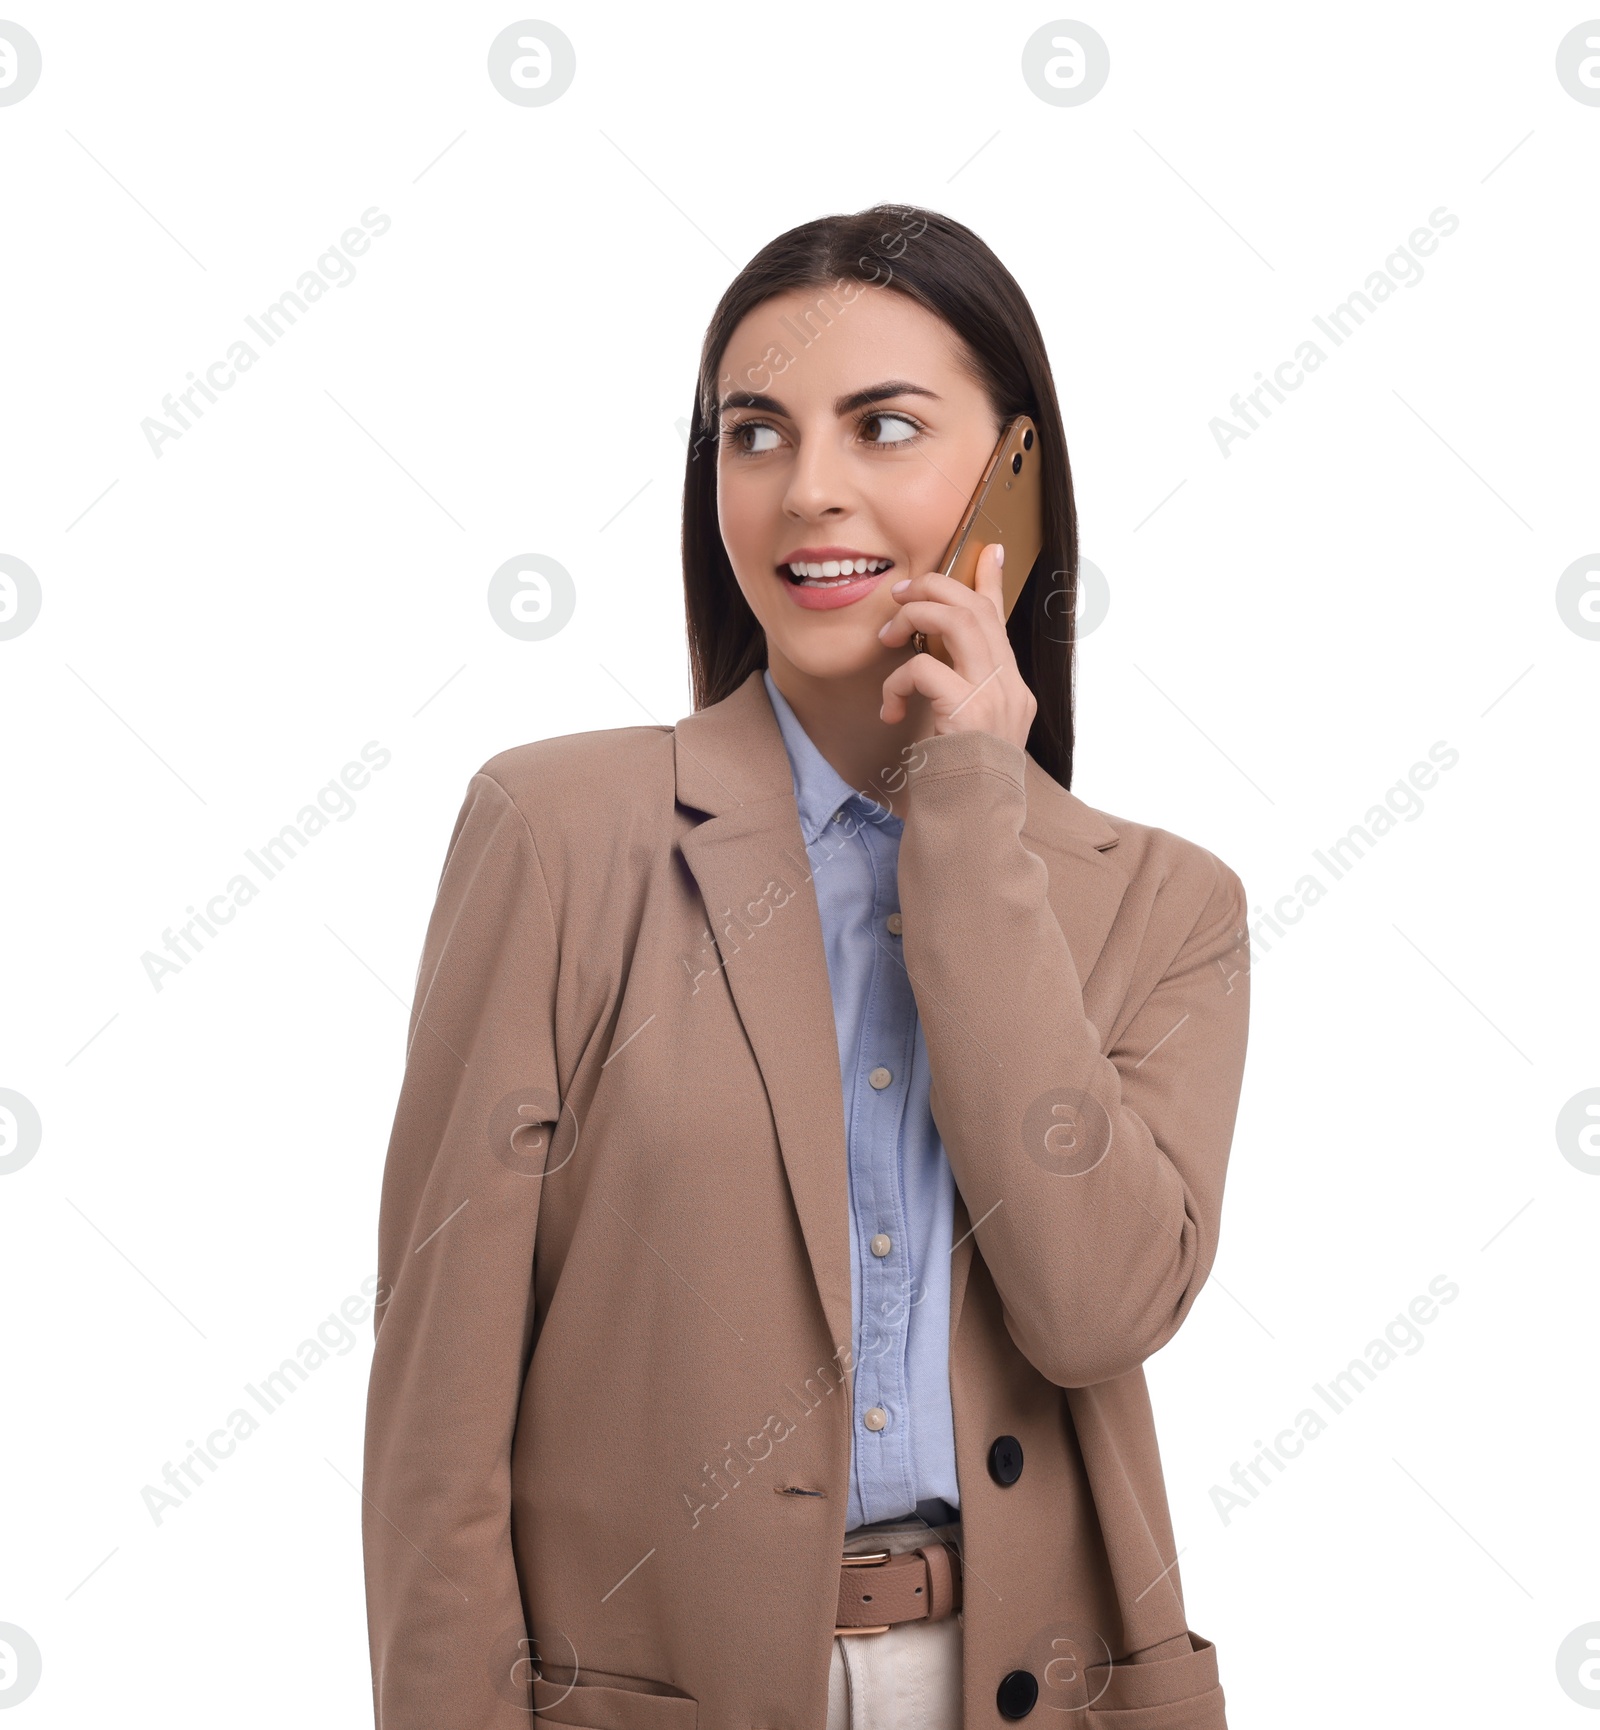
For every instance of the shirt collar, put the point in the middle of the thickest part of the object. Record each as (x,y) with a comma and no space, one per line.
(819,788)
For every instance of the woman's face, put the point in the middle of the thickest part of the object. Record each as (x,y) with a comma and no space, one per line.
(859,438)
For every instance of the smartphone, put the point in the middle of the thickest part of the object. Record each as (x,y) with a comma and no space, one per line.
(1006,506)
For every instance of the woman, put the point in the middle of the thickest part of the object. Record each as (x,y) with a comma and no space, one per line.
(673,1324)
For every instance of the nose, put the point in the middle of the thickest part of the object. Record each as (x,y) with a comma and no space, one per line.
(819,483)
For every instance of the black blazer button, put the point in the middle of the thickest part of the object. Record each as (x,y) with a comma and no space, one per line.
(1005,1467)
(1017,1694)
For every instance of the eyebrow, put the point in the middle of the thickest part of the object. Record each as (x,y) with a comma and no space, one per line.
(842,405)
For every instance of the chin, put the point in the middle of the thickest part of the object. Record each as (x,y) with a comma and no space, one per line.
(838,655)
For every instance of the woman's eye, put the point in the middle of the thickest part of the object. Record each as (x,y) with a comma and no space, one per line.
(735,436)
(882,420)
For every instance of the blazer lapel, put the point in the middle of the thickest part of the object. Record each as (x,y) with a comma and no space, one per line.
(747,856)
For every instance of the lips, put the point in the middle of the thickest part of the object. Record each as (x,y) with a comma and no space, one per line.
(823,596)
(823,578)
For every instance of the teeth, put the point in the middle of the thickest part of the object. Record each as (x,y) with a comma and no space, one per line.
(829,569)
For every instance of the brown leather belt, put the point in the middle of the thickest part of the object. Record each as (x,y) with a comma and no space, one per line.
(878,1590)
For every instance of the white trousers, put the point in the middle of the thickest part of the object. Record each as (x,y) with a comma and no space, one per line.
(909,1678)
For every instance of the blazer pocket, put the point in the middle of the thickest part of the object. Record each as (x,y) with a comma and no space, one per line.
(586,1706)
(1180,1693)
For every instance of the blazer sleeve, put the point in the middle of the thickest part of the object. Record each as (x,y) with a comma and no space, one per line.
(457,1219)
(1097,1259)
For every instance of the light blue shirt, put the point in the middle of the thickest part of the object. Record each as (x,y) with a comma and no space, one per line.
(902,1191)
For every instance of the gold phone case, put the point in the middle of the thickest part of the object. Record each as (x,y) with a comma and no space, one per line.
(1006,506)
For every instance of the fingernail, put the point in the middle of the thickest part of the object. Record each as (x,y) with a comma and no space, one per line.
(895,588)
(999,555)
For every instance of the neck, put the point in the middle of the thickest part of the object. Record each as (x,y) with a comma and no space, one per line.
(840,716)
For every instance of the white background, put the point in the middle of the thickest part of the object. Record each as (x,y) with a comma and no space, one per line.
(1291,627)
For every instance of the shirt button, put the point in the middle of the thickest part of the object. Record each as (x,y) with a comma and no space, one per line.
(880,1077)
(880,1245)
(893,922)
(876,1417)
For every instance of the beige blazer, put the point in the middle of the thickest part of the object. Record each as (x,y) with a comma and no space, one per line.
(609,1418)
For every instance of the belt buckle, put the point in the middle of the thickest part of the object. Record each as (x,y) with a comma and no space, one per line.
(868,1559)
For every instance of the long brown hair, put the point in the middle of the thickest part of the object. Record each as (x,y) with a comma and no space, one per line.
(945,267)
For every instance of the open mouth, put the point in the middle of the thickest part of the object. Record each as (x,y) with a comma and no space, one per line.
(834,573)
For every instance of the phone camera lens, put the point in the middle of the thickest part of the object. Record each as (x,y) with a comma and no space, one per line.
(1016,464)
(1027,441)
